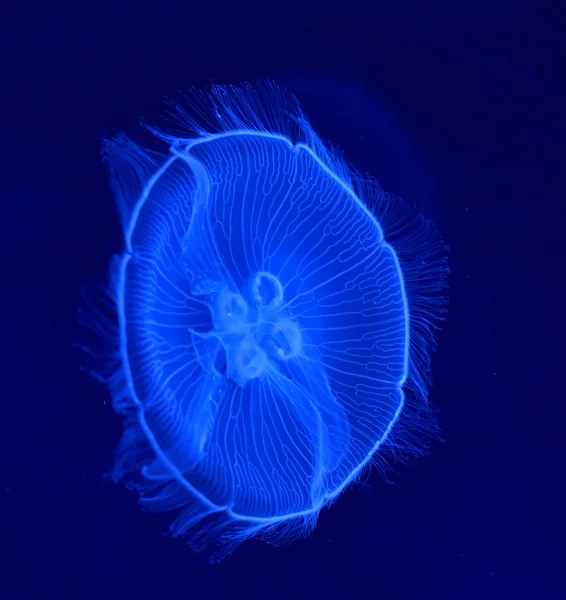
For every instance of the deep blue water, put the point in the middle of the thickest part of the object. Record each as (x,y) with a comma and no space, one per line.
(458,106)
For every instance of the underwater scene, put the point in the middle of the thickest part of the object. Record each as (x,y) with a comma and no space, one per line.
(282,293)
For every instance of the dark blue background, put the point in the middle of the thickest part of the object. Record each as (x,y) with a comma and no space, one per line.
(458,105)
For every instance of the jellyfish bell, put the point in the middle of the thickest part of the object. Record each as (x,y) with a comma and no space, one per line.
(275,315)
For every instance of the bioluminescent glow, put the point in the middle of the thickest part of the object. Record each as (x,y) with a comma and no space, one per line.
(275,315)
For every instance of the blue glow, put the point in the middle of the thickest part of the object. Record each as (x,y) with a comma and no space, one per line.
(275,318)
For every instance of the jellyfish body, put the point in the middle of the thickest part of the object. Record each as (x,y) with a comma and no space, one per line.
(268,333)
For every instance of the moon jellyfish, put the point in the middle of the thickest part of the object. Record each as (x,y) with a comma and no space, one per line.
(275,313)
